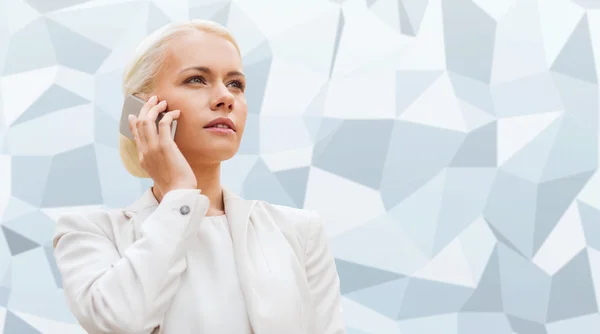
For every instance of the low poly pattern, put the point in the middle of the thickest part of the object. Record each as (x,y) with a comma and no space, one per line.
(450,146)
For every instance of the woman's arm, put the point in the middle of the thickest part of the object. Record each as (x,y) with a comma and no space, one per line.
(323,280)
(109,293)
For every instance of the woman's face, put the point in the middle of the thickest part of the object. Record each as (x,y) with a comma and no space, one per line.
(202,77)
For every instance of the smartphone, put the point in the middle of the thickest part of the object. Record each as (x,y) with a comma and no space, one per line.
(133,105)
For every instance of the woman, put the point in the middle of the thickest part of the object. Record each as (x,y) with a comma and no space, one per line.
(190,256)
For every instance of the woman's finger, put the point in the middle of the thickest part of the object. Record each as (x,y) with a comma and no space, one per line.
(164,125)
(149,127)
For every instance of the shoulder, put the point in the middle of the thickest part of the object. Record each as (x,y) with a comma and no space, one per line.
(102,222)
(306,223)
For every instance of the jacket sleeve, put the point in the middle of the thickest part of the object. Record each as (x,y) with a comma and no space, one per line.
(323,280)
(129,293)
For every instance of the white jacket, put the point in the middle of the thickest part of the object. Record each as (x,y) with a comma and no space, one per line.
(120,267)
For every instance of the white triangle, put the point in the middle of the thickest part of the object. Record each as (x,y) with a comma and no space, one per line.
(516,132)
(91,22)
(449,266)
(474,117)
(518,30)
(45,325)
(20,90)
(176,10)
(558,19)
(437,107)
(427,50)
(494,8)
(20,15)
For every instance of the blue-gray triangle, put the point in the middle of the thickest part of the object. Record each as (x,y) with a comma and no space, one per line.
(572,289)
(7,279)
(74,50)
(576,59)
(156,18)
(354,276)
(385,298)
(511,210)
(261,184)
(251,140)
(217,11)
(258,74)
(415,11)
(590,219)
(417,153)
(553,199)
(479,148)
(370,3)
(49,251)
(410,85)
(34,225)
(405,25)
(29,175)
(53,99)
(422,298)
(73,179)
(15,325)
(469,51)
(105,128)
(45,6)
(525,287)
(16,242)
(312,124)
(488,323)
(502,239)
(523,326)
(487,297)
(356,151)
(338,38)
(579,98)
(23,55)
(4,296)
(472,91)
(294,182)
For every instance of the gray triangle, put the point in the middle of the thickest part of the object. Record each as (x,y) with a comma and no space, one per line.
(553,199)
(45,6)
(577,56)
(294,182)
(29,177)
(156,18)
(358,158)
(261,184)
(524,326)
(405,25)
(414,11)
(571,293)
(76,51)
(16,242)
(422,299)
(469,51)
(53,99)
(370,3)
(251,140)
(385,298)
(487,297)
(4,296)
(410,85)
(49,251)
(590,219)
(354,277)
(23,55)
(15,325)
(258,74)
(338,38)
(73,179)
(478,149)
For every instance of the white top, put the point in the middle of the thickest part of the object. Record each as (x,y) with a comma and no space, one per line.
(165,268)
(209,290)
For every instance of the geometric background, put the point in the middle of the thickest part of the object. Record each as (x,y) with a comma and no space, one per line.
(451,147)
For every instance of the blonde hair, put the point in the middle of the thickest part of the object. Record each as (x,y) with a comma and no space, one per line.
(147,62)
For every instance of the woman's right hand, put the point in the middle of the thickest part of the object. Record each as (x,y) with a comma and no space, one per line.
(159,155)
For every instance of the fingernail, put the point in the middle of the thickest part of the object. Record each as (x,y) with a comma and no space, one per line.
(130,116)
(153,99)
(163,102)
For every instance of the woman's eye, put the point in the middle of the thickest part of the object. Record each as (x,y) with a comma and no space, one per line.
(237,84)
(195,79)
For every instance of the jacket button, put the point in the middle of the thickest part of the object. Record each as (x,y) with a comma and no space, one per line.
(184,210)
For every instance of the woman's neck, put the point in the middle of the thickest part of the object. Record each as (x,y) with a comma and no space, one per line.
(208,178)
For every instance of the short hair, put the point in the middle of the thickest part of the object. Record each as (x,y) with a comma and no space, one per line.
(147,62)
